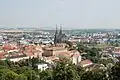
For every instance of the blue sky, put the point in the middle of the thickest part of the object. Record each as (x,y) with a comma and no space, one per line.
(70,13)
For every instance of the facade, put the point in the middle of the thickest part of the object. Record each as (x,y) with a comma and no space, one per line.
(76,57)
(51,51)
(16,59)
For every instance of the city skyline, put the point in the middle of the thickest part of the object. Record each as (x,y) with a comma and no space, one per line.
(73,14)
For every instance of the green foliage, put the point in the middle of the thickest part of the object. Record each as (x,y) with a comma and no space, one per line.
(3,63)
(31,75)
(9,63)
(66,71)
(46,75)
(11,75)
(3,73)
(115,74)
(114,43)
(63,70)
(69,44)
(105,62)
(94,75)
(21,77)
(81,47)
(92,53)
(23,69)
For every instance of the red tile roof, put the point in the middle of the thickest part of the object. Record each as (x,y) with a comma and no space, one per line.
(66,54)
(9,47)
(75,55)
(86,62)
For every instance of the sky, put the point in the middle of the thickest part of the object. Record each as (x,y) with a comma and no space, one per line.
(72,14)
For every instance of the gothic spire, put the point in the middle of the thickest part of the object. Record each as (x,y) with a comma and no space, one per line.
(55,37)
(56,32)
(60,29)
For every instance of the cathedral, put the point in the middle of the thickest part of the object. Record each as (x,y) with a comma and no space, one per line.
(59,36)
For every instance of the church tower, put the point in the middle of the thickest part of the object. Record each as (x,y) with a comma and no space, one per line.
(59,36)
(55,38)
(60,30)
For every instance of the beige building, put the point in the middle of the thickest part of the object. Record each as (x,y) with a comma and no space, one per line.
(52,50)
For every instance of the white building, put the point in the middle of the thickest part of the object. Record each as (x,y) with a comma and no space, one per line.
(42,66)
(76,58)
(18,59)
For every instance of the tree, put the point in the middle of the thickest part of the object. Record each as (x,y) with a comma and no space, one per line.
(115,72)
(22,70)
(116,44)
(11,75)
(31,75)
(34,61)
(21,77)
(65,71)
(81,47)
(9,63)
(69,44)
(3,73)
(94,75)
(106,61)
(92,54)
(2,76)
(46,75)
(3,63)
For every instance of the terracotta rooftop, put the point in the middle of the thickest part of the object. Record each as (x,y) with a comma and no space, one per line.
(54,48)
(52,58)
(2,57)
(117,50)
(86,62)
(9,47)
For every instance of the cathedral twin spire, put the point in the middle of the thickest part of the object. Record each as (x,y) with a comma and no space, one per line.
(57,35)
(60,30)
